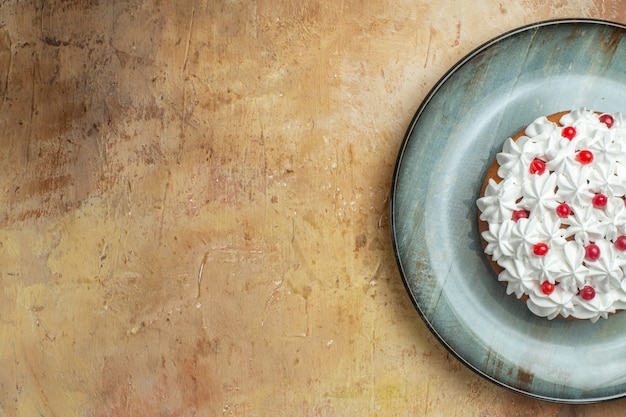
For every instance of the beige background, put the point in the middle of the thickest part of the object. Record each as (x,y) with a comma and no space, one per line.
(194,207)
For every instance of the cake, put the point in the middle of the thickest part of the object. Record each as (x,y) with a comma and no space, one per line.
(552,215)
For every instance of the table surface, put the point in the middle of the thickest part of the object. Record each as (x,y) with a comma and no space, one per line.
(195,207)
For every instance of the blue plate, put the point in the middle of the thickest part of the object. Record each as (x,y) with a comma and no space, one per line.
(488,96)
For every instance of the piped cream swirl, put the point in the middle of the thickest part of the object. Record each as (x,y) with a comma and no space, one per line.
(567,179)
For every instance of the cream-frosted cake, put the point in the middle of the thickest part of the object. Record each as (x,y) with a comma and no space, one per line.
(552,215)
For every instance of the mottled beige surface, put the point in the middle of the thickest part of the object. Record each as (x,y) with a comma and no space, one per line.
(194,207)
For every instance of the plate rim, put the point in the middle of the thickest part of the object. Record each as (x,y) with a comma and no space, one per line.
(393,193)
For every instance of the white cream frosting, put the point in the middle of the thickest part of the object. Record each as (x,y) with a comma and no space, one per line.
(566,179)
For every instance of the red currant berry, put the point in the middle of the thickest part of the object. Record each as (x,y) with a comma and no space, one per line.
(537,166)
(584,157)
(607,119)
(547,287)
(599,201)
(519,214)
(587,292)
(568,132)
(540,249)
(592,252)
(620,243)
(563,210)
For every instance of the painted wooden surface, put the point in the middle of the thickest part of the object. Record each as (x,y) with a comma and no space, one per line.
(195,207)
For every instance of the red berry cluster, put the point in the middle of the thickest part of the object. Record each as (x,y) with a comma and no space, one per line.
(541,249)
(599,201)
(607,119)
(584,157)
(537,167)
(519,214)
(563,210)
(568,132)
(592,253)
(587,293)
(547,287)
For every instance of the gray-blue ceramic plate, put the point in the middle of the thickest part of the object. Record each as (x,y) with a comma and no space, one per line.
(491,94)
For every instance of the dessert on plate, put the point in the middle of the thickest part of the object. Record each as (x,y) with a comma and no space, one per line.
(552,215)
